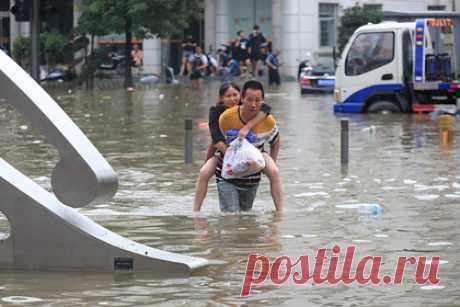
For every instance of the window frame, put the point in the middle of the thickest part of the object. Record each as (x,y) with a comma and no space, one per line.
(390,60)
(328,19)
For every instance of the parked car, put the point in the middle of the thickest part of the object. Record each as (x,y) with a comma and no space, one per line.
(319,78)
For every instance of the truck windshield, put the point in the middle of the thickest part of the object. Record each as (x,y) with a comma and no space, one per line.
(368,52)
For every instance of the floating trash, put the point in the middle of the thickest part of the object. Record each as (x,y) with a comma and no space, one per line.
(203,125)
(23,127)
(381,235)
(364,209)
(432,287)
(162,96)
(408,181)
(427,197)
(362,241)
(20,300)
(439,243)
(149,79)
(371,129)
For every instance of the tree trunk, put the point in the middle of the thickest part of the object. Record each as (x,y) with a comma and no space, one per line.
(128,60)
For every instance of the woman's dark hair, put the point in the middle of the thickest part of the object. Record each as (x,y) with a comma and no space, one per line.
(224,88)
(253,85)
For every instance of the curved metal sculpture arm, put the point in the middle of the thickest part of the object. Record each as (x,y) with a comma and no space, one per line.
(82,176)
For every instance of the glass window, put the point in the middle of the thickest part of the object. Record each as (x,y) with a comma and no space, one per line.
(436,7)
(368,52)
(327,24)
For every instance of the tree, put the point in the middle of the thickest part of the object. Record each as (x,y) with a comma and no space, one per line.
(21,50)
(53,45)
(141,18)
(352,19)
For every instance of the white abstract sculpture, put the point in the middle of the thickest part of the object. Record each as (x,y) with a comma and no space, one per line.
(45,232)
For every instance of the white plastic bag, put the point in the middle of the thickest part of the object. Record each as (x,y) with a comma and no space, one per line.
(242,159)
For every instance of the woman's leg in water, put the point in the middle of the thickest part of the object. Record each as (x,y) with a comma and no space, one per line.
(206,172)
(272,172)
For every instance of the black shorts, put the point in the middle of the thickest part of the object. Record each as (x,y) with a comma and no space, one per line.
(255,56)
(196,74)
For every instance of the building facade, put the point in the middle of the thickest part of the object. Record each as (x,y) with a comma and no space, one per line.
(296,27)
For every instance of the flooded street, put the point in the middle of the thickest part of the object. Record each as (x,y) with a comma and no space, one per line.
(396,163)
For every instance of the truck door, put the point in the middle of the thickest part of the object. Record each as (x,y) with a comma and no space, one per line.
(407,57)
(371,66)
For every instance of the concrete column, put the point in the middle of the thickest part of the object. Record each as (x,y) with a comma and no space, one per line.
(210,25)
(222,16)
(277,18)
(290,36)
(152,56)
(299,32)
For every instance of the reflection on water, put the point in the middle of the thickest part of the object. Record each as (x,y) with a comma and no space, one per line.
(399,195)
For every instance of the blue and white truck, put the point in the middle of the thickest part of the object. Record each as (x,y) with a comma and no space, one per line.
(401,67)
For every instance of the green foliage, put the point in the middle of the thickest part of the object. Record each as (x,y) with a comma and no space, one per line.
(352,19)
(21,49)
(53,47)
(148,17)
(143,18)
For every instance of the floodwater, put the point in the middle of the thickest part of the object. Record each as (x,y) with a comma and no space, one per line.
(398,167)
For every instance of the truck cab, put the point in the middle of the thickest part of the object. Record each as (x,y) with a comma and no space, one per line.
(398,67)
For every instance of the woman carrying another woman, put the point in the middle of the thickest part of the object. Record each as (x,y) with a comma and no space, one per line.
(229,96)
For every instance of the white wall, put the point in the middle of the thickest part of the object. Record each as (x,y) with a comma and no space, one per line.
(222,16)
(152,55)
(299,32)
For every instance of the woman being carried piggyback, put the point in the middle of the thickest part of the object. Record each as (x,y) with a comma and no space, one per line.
(229,96)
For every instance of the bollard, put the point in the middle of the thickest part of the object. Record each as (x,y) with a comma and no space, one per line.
(188,154)
(446,125)
(344,141)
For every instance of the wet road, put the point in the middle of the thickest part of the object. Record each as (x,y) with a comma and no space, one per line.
(396,162)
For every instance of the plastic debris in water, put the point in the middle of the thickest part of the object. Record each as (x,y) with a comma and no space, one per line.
(427,197)
(370,129)
(372,209)
(162,96)
(203,125)
(150,79)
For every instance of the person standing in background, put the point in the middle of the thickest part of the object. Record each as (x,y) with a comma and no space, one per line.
(137,56)
(188,49)
(256,40)
(273,64)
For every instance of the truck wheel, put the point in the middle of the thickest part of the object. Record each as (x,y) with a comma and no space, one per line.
(384,106)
